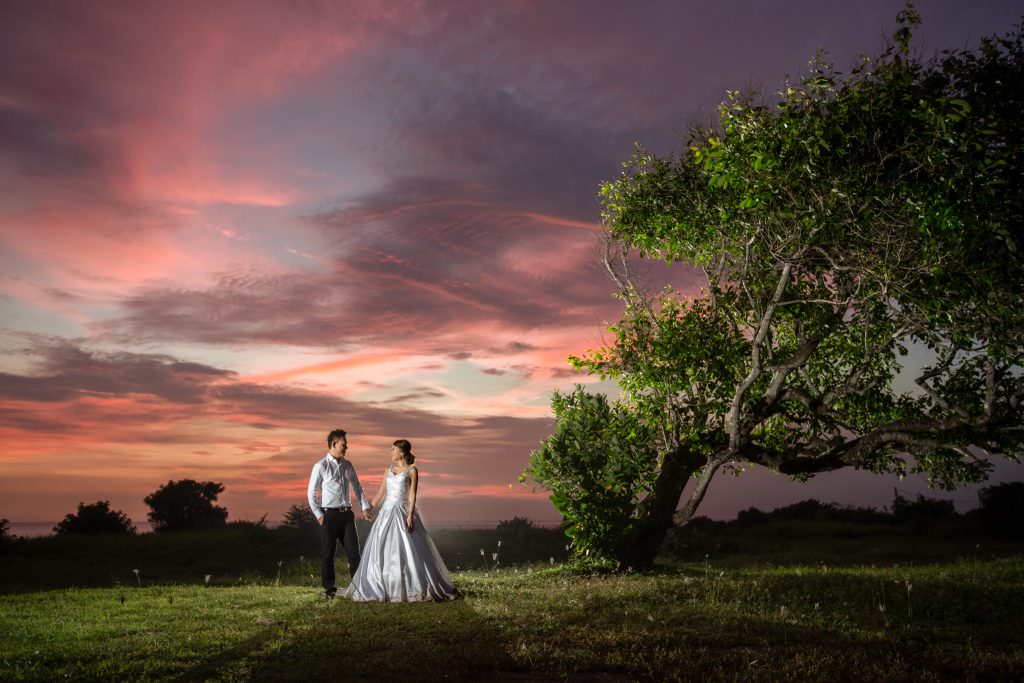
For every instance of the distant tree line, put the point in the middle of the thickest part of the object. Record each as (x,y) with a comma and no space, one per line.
(1000,511)
(190,505)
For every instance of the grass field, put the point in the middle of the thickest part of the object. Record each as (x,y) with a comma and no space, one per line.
(765,615)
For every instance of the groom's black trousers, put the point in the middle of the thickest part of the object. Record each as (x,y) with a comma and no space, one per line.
(338,525)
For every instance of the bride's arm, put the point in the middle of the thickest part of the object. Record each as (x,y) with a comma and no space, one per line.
(414,480)
(380,492)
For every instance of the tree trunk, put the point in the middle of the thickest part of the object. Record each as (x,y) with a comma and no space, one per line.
(644,545)
(645,542)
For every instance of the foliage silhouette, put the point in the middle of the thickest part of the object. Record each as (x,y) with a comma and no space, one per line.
(186,504)
(1002,509)
(300,517)
(95,518)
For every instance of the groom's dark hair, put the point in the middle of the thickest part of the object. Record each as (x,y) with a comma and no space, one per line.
(335,435)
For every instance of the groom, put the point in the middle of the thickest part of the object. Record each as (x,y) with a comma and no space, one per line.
(331,478)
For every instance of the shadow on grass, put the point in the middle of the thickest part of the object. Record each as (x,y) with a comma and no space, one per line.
(230,556)
(683,626)
(809,541)
(366,641)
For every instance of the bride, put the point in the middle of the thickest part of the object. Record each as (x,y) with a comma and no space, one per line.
(400,563)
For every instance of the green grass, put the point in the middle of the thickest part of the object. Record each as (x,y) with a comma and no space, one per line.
(700,621)
(786,601)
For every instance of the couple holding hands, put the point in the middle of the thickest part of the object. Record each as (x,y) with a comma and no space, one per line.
(399,560)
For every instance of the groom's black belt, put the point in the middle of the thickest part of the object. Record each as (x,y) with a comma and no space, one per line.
(342,509)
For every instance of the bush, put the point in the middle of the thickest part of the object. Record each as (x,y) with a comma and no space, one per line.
(859,515)
(260,523)
(95,518)
(922,509)
(5,533)
(1002,509)
(300,517)
(517,528)
(599,465)
(186,504)
(751,517)
(813,509)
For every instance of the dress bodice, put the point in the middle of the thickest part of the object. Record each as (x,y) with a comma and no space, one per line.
(397,486)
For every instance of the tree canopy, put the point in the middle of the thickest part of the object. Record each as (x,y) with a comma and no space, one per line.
(186,504)
(300,517)
(855,217)
(95,518)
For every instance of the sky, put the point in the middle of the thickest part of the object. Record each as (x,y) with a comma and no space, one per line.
(229,227)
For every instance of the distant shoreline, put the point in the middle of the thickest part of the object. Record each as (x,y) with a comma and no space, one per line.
(41,529)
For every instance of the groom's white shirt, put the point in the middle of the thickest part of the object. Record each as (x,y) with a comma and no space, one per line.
(332,477)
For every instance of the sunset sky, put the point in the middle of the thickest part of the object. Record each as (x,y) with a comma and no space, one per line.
(228,227)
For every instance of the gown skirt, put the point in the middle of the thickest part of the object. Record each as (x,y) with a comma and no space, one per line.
(398,565)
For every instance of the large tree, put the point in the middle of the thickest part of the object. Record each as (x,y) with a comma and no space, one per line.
(854,217)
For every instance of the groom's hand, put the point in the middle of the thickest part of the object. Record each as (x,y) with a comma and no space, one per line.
(320,521)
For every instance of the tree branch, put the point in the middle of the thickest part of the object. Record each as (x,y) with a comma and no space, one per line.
(856,452)
(922,382)
(683,516)
(612,251)
(755,359)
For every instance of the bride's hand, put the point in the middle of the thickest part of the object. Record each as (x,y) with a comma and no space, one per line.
(408,523)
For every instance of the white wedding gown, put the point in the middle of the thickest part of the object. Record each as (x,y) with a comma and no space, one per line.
(398,565)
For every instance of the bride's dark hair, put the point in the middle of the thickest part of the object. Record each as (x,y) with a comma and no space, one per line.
(406,449)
